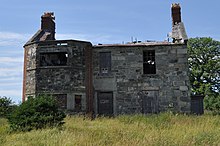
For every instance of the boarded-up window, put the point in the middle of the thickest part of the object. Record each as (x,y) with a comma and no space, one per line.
(61,100)
(197,104)
(53,59)
(149,65)
(78,104)
(105,103)
(150,102)
(105,63)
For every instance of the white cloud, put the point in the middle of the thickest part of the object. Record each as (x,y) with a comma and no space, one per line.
(10,79)
(10,71)
(11,35)
(10,92)
(15,95)
(95,38)
(11,59)
(10,84)
(13,39)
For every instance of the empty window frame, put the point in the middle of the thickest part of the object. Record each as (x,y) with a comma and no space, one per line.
(149,65)
(105,62)
(53,59)
(78,102)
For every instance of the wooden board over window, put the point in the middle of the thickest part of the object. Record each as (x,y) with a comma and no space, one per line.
(105,103)
(78,102)
(61,100)
(150,102)
(105,63)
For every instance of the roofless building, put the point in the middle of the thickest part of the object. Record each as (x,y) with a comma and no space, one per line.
(109,79)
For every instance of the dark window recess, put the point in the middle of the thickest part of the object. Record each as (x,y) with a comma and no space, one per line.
(149,65)
(105,62)
(61,100)
(53,59)
(78,104)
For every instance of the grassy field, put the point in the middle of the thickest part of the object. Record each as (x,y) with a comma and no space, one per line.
(158,130)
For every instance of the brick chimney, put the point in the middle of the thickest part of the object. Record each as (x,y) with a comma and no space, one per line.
(176,13)
(48,24)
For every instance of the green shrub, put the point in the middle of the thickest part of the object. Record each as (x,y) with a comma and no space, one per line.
(212,103)
(6,106)
(36,113)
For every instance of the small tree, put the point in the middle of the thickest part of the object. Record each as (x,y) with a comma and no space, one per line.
(36,113)
(6,106)
(204,66)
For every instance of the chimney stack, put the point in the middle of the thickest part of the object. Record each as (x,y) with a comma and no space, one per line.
(178,30)
(48,24)
(176,13)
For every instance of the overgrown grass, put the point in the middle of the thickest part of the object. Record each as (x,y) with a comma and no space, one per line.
(163,129)
(3,130)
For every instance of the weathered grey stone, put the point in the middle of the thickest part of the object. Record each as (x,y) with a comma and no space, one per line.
(185,109)
(177,93)
(184,98)
(173,60)
(182,60)
(178,83)
(184,88)
(118,58)
(105,84)
(173,50)
(182,51)
(150,88)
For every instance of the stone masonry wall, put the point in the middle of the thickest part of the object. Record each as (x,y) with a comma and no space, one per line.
(129,85)
(30,69)
(63,80)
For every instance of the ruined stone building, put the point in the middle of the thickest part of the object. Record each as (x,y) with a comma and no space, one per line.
(109,79)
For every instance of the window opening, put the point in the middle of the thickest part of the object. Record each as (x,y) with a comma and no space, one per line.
(78,104)
(53,59)
(149,65)
(105,62)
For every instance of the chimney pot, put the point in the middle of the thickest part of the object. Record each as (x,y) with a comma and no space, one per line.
(49,15)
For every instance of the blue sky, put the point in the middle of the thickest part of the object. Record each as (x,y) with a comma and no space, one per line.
(98,21)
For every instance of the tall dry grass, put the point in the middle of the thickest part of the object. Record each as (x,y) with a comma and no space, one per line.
(162,129)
